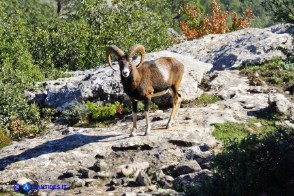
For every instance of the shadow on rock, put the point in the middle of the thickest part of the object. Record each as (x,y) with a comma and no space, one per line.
(60,145)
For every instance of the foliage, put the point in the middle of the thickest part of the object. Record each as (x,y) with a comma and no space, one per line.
(18,129)
(77,113)
(124,24)
(4,139)
(48,113)
(90,113)
(101,112)
(263,19)
(204,100)
(127,107)
(277,72)
(282,10)
(18,69)
(253,166)
(195,24)
(35,45)
(238,131)
(169,10)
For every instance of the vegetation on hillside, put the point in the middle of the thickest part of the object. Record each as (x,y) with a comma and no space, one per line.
(196,24)
(277,72)
(256,165)
(36,45)
(281,10)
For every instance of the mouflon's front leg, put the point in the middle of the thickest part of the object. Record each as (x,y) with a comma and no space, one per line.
(135,111)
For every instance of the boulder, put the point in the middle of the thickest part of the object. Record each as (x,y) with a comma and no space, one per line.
(280,104)
(187,167)
(250,45)
(191,180)
(143,179)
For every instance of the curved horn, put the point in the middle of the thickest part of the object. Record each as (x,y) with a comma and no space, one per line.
(137,48)
(113,50)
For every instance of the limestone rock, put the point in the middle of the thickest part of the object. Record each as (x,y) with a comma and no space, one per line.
(100,165)
(281,104)
(187,167)
(192,179)
(127,170)
(77,182)
(160,192)
(250,45)
(143,179)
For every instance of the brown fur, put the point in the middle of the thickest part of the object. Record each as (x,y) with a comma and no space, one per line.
(146,80)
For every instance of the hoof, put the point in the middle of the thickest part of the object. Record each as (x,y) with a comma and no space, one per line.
(147,133)
(132,135)
(168,126)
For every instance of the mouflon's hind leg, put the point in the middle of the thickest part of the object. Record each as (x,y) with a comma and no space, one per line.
(146,112)
(176,102)
(173,112)
(134,112)
(178,105)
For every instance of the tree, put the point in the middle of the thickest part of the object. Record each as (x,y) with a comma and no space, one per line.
(196,24)
(282,10)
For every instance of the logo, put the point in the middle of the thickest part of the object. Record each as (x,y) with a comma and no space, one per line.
(16,187)
(26,187)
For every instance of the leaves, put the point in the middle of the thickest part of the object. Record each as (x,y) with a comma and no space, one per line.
(196,24)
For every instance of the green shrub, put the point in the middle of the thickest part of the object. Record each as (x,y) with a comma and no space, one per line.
(124,24)
(102,112)
(253,166)
(79,41)
(127,107)
(4,139)
(276,72)
(282,10)
(48,114)
(77,113)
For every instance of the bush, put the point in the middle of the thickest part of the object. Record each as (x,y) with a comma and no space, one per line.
(4,139)
(127,107)
(125,23)
(102,112)
(282,10)
(277,72)
(77,113)
(195,24)
(256,165)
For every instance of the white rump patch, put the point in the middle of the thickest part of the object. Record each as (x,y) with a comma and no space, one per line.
(163,71)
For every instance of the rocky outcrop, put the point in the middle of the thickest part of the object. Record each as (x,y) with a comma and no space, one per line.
(251,45)
(104,84)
